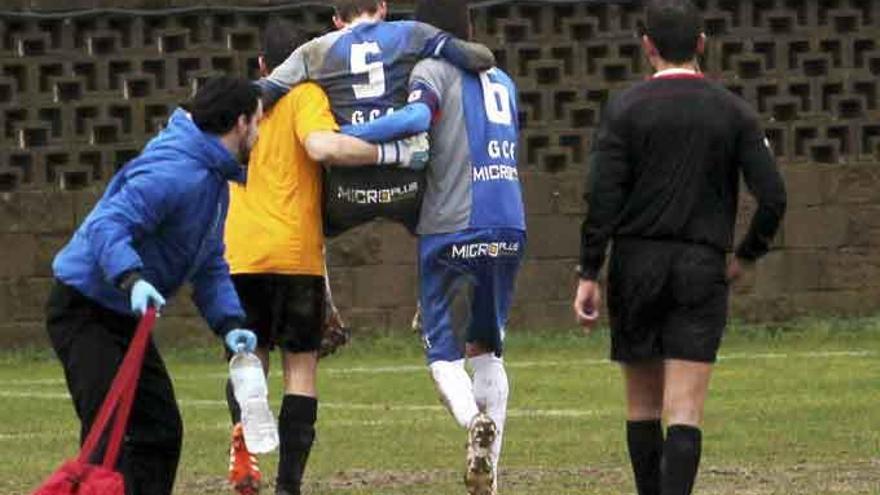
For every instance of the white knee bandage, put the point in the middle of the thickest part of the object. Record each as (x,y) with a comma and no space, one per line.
(456,390)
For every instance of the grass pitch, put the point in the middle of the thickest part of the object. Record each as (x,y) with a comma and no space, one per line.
(794,409)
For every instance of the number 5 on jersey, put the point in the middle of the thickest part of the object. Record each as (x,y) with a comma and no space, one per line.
(375,71)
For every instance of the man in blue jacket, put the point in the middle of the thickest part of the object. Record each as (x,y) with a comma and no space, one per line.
(158,226)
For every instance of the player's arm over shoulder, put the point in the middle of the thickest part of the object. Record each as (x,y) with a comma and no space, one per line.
(432,42)
(294,70)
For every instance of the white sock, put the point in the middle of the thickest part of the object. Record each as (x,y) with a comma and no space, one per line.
(456,390)
(491,390)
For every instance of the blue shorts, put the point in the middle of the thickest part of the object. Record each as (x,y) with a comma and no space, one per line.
(466,283)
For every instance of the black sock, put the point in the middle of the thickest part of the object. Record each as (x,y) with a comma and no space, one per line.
(645,442)
(296,427)
(234,409)
(681,458)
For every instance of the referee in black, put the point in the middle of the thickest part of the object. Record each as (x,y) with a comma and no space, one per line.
(663,187)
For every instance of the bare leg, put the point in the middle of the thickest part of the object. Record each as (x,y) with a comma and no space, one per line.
(687,384)
(644,390)
(300,372)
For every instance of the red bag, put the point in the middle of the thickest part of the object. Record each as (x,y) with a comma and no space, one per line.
(78,477)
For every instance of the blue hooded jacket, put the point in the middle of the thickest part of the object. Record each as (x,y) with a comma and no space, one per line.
(163,215)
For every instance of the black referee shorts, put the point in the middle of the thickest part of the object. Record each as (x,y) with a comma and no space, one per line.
(666,300)
(283,310)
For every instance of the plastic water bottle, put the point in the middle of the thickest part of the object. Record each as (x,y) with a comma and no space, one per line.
(251,393)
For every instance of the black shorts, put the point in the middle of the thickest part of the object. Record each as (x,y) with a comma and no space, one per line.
(666,300)
(283,310)
(357,195)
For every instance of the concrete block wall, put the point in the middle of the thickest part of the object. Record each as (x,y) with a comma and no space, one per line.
(810,68)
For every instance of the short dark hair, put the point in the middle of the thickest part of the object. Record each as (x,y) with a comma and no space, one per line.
(674,26)
(220,101)
(451,16)
(349,9)
(280,39)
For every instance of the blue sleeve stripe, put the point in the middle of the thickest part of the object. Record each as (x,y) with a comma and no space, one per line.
(440,45)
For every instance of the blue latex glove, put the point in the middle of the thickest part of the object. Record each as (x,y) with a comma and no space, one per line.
(143,294)
(239,340)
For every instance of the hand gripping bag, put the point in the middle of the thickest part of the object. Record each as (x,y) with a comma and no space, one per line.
(77,476)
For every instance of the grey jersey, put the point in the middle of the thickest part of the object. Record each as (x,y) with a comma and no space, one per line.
(472,182)
(447,204)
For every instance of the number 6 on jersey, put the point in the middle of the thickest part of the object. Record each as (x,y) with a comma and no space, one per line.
(497,100)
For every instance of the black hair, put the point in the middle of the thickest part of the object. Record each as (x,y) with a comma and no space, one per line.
(674,26)
(280,39)
(220,101)
(347,10)
(451,16)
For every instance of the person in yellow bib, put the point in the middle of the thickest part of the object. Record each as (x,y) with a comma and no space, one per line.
(275,249)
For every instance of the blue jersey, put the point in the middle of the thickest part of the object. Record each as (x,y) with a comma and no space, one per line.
(474,186)
(365,67)
(472,224)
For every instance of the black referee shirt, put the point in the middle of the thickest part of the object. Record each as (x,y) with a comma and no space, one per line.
(666,162)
